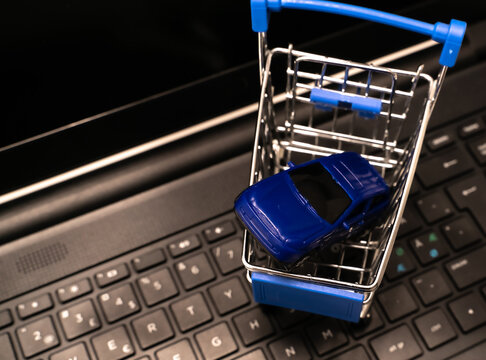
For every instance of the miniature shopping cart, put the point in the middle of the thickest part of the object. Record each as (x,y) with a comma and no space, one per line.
(329,106)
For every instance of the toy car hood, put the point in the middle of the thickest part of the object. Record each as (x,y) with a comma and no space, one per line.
(282,217)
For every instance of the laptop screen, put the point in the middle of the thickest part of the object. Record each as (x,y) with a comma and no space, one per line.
(67,65)
(66,61)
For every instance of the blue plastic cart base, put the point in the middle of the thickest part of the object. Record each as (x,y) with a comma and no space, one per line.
(306,296)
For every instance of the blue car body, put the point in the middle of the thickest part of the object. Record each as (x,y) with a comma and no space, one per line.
(313,204)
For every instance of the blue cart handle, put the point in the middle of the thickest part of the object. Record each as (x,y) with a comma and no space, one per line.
(450,35)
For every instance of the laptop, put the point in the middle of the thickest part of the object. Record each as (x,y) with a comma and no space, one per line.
(127,137)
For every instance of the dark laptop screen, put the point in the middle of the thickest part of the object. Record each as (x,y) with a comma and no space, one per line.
(67,60)
(64,61)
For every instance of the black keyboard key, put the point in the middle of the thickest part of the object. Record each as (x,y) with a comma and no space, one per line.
(431,286)
(219,231)
(397,302)
(216,342)
(118,303)
(471,127)
(461,232)
(410,222)
(468,269)
(326,335)
(366,326)
(112,275)
(180,350)
(79,319)
(152,329)
(257,354)
(37,337)
(434,207)
(195,271)
(191,312)
(5,318)
(74,290)
(7,347)
(228,256)
(435,329)
(287,318)
(478,149)
(228,296)
(415,189)
(148,260)
(290,347)
(440,140)
(400,262)
(356,353)
(469,311)
(157,287)
(35,306)
(445,166)
(75,352)
(473,353)
(253,325)
(113,345)
(470,194)
(429,247)
(397,344)
(185,245)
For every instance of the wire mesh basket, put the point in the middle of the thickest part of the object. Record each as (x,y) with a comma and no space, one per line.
(331,106)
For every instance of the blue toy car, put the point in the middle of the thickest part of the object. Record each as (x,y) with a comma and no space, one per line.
(313,204)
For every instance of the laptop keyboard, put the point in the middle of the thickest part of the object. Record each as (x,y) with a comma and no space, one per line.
(186,297)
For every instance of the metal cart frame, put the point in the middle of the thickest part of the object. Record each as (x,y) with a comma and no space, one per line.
(376,100)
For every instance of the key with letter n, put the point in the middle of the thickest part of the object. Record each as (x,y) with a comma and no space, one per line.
(290,347)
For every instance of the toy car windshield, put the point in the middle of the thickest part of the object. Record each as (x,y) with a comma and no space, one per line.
(322,192)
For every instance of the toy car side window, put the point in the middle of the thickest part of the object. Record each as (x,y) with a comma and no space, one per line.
(318,187)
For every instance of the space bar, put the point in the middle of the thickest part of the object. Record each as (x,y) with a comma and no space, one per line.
(476,352)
